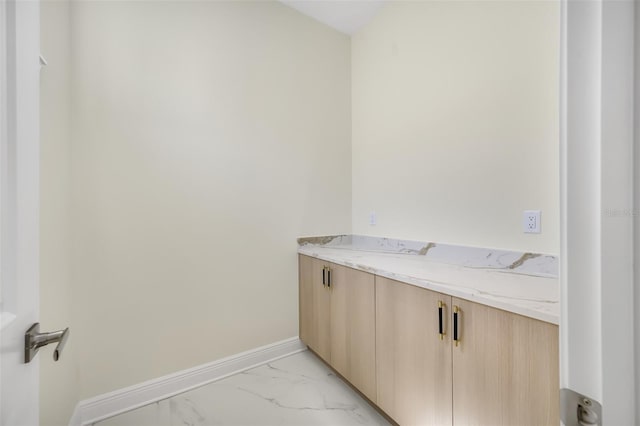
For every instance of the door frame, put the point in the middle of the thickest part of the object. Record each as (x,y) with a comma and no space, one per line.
(19,205)
(597,205)
(636,209)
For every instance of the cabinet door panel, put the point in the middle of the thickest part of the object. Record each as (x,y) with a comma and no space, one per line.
(321,313)
(353,327)
(413,364)
(505,369)
(305,299)
(315,305)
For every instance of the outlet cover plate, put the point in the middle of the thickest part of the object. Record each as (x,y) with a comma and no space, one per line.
(531,221)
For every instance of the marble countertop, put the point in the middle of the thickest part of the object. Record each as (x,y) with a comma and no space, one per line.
(518,282)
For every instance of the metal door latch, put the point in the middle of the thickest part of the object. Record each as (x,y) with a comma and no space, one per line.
(34,340)
(579,410)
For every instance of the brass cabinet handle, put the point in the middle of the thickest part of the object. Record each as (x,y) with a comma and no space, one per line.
(441,331)
(326,277)
(456,311)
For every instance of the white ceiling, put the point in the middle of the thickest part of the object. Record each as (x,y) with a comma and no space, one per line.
(346,16)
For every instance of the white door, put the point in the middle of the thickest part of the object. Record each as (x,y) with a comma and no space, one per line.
(19,195)
(597,243)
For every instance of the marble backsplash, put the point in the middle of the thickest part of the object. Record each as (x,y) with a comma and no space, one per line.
(526,263)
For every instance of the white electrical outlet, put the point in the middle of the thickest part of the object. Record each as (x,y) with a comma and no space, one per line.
(531,221)
(373,218)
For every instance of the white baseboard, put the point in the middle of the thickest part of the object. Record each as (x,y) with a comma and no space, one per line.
(75,417)
(98,408)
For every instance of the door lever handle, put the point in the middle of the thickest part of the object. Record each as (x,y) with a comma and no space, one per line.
(34,340)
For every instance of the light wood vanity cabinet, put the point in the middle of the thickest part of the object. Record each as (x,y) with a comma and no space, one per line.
(413,363)
(505,369)
(353,327)
(315,307)
(337,319)
(384,337)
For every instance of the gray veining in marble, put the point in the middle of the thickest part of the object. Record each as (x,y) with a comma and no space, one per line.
(518,282)
(327,241)
(296,390)
(535,264)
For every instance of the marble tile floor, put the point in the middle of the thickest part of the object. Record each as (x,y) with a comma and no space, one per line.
(298,390)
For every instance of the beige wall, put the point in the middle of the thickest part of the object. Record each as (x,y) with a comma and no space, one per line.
(58,380)
(206,137)
(455,122)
